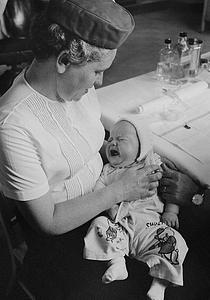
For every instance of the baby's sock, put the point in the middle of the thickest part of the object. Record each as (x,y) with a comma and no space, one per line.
(157,289)
(116,271)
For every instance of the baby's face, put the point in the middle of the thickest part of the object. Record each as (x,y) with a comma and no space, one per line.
(123,145)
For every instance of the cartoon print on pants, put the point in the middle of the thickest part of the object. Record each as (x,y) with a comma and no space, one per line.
(114,234)
(166,241)
(111,232)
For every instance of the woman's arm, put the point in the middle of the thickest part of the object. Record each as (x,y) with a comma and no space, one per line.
(25,179)
(46,217)
(179,188)
(50,218)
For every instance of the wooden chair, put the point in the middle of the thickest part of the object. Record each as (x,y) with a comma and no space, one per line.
(15,54)
(16,245)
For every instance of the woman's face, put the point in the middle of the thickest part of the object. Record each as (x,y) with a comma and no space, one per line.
(123,144)
(76,80)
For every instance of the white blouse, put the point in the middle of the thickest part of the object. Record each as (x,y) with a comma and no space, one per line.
(48,145)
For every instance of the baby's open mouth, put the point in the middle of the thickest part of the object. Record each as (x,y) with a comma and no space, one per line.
(114,152)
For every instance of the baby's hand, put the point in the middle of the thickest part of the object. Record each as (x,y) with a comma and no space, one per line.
(170,219)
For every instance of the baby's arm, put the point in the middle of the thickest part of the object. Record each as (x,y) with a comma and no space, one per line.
(171,210)
(170,215)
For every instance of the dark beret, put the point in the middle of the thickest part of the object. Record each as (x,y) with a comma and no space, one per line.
(102,23)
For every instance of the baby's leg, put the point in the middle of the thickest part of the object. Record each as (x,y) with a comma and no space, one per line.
(116,271)
(164,254)
(108,241)
(157,289)
(105,240)
(158,286)
(152,261)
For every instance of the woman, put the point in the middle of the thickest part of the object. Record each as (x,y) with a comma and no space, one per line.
(50,139)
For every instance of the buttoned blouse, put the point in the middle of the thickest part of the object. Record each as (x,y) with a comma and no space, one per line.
(48,145)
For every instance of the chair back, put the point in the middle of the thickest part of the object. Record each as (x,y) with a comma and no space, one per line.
(9,222)
(15,242)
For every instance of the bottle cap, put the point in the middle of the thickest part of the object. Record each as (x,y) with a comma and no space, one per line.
(192,41)
(183,34)
(168,41)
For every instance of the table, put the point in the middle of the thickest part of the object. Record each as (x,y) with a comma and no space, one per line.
(125,97)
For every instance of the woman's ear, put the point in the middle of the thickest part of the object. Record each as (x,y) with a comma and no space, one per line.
(62,61)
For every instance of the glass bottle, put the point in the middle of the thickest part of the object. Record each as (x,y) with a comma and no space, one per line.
(169,68)
(194,53)
(168,54)
(182,45)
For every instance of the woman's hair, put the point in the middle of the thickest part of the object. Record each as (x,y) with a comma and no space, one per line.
(49,39)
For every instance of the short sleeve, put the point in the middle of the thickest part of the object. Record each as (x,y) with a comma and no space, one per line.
(21,172)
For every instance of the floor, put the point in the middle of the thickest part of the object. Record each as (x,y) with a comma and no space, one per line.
(138,55)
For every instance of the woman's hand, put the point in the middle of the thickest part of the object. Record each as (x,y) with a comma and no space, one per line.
(139,183)
(175,186)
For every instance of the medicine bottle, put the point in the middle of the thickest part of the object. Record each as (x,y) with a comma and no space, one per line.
(194,53)
(169,54)
(182,45)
